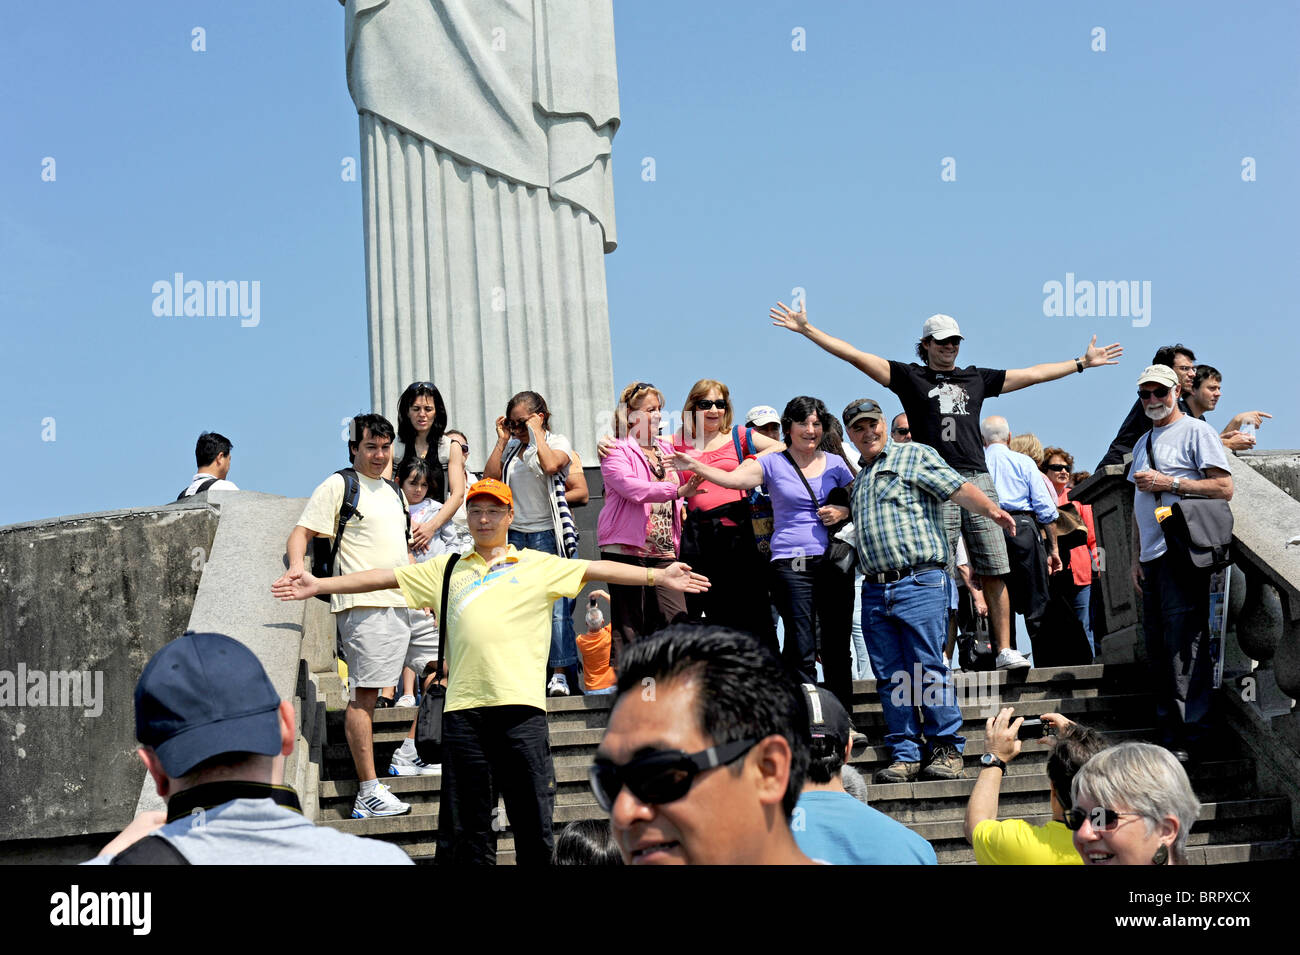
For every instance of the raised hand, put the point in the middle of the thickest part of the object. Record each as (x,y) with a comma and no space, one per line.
(684,462)
(678,576)
(503,433)
(784,317)
(1094,356)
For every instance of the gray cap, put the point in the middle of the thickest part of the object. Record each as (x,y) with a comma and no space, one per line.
(862,408)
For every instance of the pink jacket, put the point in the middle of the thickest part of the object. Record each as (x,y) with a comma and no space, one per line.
(630,489)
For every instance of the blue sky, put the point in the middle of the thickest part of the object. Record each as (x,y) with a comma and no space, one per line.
(775,168)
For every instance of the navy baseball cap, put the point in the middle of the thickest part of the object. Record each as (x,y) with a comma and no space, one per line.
(202,695)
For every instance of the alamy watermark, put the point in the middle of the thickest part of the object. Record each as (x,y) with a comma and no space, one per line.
(1103,299)
(79,689)
(194,299)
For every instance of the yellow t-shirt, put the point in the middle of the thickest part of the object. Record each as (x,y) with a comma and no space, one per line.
(499,622)
(1016,842)
(374,539)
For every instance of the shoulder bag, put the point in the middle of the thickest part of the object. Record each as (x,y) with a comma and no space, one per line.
(428,722)
(1198,530)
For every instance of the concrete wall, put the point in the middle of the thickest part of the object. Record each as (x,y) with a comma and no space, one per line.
(97,594)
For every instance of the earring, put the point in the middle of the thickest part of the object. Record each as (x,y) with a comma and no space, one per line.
(1161,856)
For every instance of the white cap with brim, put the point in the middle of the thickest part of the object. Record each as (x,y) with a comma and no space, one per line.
(760,415)
(940,327)
(1159,375)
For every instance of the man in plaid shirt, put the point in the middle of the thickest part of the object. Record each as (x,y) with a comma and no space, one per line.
(897,501)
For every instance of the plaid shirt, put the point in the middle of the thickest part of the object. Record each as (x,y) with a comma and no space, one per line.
(897,501)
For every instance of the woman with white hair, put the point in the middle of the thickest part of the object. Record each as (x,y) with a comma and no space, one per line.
(1133,805)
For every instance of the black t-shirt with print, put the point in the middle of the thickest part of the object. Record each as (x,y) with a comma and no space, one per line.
(943,408)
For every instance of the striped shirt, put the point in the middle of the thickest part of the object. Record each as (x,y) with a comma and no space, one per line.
(897,507)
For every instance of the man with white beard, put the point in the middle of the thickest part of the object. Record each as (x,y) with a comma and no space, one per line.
(1184,456)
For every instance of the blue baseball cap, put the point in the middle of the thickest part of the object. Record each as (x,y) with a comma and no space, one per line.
(202,695)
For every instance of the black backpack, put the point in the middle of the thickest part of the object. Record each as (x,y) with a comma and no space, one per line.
(325,552)
(199,490)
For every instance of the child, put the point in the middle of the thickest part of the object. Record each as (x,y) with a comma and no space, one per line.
(597,675)
(414,481)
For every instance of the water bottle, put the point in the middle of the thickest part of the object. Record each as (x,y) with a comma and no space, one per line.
(1248,429)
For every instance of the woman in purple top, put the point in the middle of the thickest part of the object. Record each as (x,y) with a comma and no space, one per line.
(641,520)
(810,592)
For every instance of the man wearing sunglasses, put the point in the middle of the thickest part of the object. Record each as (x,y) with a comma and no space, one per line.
(705,752)
(1189,458)
(899,429)
(1136,424)
(943,405)
(498,636)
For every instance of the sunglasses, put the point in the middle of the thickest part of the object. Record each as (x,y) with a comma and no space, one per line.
(1056,467)
(1147,393)
(903,431)
(955,341)
(660,776)
(517,425)
(641,386)
(1102,819)
(704,404)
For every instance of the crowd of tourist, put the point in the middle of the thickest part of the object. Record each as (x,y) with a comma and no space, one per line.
(852,545)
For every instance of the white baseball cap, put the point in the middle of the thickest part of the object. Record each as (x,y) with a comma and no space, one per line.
(940,327)
(760,415)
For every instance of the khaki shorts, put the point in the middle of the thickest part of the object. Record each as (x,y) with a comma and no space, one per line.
(423,647)
(374,641)
(986,543)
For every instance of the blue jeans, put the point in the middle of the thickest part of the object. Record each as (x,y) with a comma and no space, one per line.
(860,663)
(564,641)
(1083,607)
(905,625)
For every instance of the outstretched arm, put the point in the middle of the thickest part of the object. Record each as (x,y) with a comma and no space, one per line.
(304,585)
(676,576)
(865,362)
(746,477)
(1092,357)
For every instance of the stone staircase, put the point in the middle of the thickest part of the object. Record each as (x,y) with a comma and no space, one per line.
(1237,822)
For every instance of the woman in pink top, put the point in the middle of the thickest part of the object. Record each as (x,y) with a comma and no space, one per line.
(1081,560)
(718,533)
(641,520)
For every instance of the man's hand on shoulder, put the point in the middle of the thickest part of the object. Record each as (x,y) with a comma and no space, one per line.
(142,825)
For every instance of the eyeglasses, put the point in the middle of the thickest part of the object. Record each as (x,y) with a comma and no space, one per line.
(1147,393)
(903,431)
(660,776)
(492,512)
(704,404)
(1102,819)
(1056,467)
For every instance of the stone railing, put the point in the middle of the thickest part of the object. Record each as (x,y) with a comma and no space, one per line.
(1261,672)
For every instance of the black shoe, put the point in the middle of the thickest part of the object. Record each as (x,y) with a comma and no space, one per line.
(383,702)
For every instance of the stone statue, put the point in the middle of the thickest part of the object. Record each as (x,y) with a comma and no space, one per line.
(486,129)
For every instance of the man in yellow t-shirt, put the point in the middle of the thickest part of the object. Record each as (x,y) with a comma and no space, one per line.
(373,628)
(1015,841)
(498,629)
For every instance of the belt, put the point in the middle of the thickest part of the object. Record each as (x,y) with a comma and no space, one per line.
(894,576)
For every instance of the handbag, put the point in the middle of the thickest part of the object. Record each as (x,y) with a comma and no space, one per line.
(761,517)
(839,552)
(428,722)
(1197,529)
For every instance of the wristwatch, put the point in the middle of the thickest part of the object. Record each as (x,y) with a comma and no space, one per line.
(988,761)
(1176,485)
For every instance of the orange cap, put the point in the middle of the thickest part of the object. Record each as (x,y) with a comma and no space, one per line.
(488,487)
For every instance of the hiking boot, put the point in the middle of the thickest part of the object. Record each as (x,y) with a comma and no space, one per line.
(945,763)
(897,772)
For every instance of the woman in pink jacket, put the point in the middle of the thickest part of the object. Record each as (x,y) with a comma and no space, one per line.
(641,521)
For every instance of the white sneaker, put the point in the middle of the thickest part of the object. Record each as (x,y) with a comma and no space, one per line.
(403,765)
(380,802)
(558,686)
(1009,659)
(406,700)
